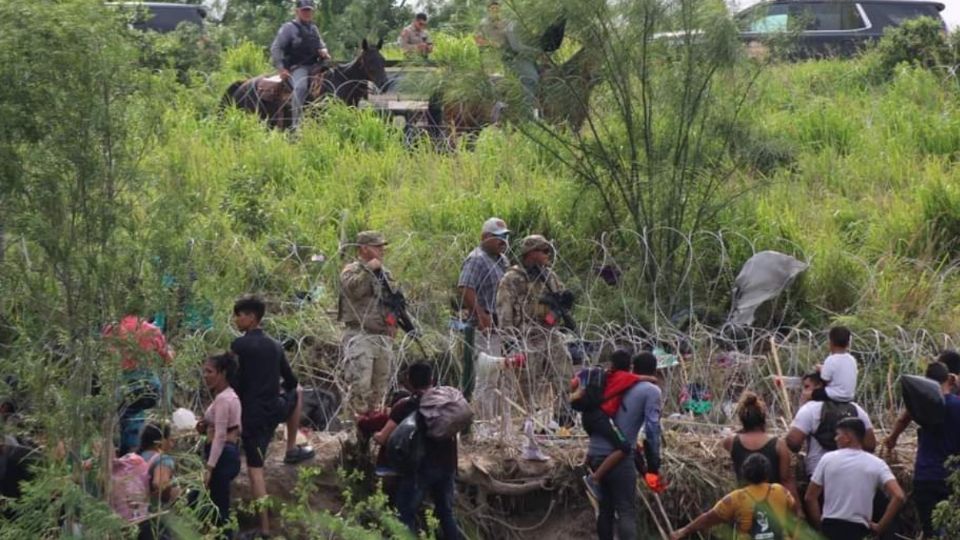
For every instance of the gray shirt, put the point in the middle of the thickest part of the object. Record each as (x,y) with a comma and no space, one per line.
(483,273)
(640,407)
(289,34)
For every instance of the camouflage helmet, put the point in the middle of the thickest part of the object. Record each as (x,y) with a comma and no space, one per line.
(534,242)
(371,238)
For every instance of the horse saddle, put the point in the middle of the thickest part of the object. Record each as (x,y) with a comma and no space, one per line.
(272,88)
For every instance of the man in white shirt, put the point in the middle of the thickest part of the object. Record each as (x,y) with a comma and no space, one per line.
(849,478)
(839,370)
(807,426)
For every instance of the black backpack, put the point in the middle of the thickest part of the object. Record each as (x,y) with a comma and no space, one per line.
(594,383)
(406,445)
(830,415)
(765,525)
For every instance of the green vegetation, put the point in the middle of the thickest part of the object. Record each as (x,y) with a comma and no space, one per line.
(125,183)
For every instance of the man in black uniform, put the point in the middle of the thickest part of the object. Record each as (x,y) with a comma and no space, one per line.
(297,47)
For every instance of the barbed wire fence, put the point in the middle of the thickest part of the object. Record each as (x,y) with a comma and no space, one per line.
(703,358)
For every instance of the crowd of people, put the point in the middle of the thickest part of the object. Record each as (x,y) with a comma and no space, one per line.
(511,319)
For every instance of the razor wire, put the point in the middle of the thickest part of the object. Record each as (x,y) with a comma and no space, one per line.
(705,362)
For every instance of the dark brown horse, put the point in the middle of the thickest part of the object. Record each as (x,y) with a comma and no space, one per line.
(269,97)
(564,94)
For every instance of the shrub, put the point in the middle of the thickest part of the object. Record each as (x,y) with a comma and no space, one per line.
(921,41)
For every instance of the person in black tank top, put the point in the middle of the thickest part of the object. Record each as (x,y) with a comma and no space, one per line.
(753,439)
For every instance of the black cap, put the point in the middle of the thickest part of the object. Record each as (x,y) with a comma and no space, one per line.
(305,4)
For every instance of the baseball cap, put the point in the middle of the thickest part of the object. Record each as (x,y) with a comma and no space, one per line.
(371,238)
(305,4)
(496,227)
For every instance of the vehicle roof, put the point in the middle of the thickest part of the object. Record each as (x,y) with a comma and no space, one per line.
(939,5)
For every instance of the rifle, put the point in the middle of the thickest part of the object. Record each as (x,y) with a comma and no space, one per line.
(560,304)
(396,304)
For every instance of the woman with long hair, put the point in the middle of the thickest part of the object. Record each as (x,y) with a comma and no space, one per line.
(754,439)
(221,425)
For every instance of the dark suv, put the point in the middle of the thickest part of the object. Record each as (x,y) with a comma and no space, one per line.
(830,27)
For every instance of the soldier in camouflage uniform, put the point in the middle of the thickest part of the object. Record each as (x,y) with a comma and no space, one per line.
(370,327)
(528,325)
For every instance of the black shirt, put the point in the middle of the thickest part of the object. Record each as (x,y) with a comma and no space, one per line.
(440,452)
(262,365)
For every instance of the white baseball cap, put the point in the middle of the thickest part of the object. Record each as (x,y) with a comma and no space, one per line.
(496,227)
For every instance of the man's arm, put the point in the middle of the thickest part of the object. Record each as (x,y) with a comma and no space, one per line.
(786,473)
(706,520)
(280,42)
(357,282)
(286,373)
(323,52)
(812,499)
(897,500)
(794,439)
(383,435)
(870,441)
(651,429)
(513,41)
(505,303)
(903,421)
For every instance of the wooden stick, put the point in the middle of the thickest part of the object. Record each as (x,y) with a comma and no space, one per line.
(521,410)
(653,514)
(783,389)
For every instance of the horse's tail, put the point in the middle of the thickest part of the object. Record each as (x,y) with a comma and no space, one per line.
(229,97)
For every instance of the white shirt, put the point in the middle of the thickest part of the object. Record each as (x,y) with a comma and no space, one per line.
(850,479)
(840,373)
(807,420)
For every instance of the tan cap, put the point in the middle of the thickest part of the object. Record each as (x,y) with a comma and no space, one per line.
(371,238)
(534,242)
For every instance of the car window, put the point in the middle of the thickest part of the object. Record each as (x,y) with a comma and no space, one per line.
(897,14)
(765,19)
(822,16)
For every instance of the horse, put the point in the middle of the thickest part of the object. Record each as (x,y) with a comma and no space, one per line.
(269,97)
(564,94)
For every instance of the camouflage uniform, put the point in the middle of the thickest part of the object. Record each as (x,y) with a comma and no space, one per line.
(526,321)
(368,338)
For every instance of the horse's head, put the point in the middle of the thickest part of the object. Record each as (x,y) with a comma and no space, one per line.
(372,63)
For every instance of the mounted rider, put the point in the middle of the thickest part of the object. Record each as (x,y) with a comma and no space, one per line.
(297,47)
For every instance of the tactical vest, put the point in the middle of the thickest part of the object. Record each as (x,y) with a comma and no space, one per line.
(302,50)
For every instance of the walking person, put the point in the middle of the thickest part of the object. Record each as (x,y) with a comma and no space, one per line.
(437,472)
(480,275)
(849,478)
(294,51)
(754,439)
(761,510)
(262,365)
(640,408)
(370,325)
(221,425)
(936,444)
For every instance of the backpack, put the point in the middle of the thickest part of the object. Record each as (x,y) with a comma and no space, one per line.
(924,401)
(130,486)
(831,414)
(445,412)
(405,446)
(764,524)
(594,380)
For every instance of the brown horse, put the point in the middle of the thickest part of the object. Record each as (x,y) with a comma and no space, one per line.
(269,97)
(564,94)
